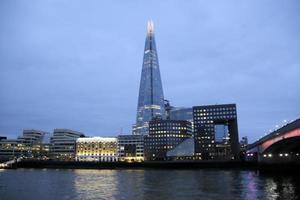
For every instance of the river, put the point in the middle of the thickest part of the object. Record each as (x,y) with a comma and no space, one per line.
(146,184)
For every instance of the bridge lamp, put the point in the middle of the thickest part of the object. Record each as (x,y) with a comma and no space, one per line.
(269,155)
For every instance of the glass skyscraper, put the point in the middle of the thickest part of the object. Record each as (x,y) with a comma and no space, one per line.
(151,97)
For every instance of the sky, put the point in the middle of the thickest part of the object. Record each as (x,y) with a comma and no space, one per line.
(77,64)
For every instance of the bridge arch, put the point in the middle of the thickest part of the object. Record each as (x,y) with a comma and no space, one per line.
(287,145)
(281,141)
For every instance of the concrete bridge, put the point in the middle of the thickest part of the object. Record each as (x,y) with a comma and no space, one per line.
(10,163)
(280,146)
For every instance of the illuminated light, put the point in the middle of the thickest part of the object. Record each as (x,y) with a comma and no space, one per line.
(286,154)
(265,155)
(270,155)
(281,155)
(150,27)
(297,154)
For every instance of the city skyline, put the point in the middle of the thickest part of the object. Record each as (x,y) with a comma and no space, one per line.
(59,70)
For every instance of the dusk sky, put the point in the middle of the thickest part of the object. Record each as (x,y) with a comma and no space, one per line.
(77,64)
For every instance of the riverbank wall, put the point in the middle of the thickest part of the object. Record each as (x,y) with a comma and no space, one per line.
(279,167)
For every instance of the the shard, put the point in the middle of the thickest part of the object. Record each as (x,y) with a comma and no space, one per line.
(151,97)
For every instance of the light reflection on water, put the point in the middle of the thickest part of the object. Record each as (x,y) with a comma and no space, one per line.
(145,184)
(87,183)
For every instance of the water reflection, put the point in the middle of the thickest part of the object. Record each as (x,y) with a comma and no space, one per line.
(92,184)
(145,184)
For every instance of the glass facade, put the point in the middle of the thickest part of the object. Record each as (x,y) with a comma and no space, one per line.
(151,97)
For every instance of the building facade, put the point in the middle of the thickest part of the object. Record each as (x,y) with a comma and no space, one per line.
(216,131)
(179,113)
(30,145)
(165,135)
(100,149)
(31,136)
(151,97)
(63,143)
(131,148)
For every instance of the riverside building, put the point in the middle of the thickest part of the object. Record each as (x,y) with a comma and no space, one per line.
(151,97)
(165,135)
(62,144)
(131,148)
(101,149)
(216,131)
(30,144)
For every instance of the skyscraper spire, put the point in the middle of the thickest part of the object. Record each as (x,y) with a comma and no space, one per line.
(151,97)
(150,27)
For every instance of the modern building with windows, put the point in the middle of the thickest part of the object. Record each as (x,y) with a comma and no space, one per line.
(31,136)
(151,97)
(30,144)
(131,148)
(100,149)
(63,144)
(165,135)
(216,131)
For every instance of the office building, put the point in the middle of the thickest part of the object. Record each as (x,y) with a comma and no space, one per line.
(131,148)
(151,97)
(165,135)
(216,131)
(100,149)
(63,144)
(244,143)
(3,138)
(31,136)
(30,144)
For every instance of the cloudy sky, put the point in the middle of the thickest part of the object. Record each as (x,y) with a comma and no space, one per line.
(77,64)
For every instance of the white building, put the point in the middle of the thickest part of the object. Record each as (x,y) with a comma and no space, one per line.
(103,149)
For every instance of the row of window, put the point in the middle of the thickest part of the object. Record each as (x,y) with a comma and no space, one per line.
(165,124)
(214,113)
(167,136)
(161,147)
(215,109)
(88,154)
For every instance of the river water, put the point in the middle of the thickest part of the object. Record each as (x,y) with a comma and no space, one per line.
(146,184)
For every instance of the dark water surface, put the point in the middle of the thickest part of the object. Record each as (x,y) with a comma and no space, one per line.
(146,184)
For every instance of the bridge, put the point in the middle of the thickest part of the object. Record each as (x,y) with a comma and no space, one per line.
(280,146)
(10,163)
